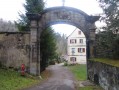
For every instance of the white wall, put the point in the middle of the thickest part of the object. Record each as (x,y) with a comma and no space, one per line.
(76,50)
(80,56)
(80,59)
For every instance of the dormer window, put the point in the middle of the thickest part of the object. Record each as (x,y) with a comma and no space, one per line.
(79,32)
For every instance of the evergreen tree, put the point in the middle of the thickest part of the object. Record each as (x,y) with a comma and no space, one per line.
(111,11)
(34,6)
(104,45)
(31,6)
(111,17)
(61,44)
(48,47)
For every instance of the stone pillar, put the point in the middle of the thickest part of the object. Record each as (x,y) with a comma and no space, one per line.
(39,29)
(92,41)
(91,33)
(33,45)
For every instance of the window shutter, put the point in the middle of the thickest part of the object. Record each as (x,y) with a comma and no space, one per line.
(79,50)
(83,49)
(80,40)
(75,40)
(70,41)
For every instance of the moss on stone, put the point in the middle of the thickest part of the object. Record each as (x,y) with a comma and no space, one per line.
(111,62)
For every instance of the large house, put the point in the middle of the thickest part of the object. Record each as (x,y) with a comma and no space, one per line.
(76,47)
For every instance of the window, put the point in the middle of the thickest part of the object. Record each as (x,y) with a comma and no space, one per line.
(81,50)
(80,40)
(73,41)
(73,59)
(73,50)
(79,32)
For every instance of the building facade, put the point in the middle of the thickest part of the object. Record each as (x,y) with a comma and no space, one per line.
(76,47)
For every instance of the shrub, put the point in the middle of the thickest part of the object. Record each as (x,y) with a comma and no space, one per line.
(52,62)
(65,63)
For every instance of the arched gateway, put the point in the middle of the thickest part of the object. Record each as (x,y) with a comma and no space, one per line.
(58,15)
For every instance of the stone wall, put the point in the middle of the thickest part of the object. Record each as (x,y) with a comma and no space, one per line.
(14,49)
(106,76)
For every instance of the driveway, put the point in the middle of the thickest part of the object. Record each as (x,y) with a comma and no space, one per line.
(61,79)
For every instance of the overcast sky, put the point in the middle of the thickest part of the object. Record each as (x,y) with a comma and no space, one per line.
(9,10)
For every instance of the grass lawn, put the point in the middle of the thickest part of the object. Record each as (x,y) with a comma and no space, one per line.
(90,88)
(80,74)
(12,80)
(107,61)
(79,71)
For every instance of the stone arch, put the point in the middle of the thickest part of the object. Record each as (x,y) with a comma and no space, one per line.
(66,15)
(61,22)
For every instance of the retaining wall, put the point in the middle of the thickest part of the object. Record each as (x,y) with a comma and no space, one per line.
(106,76)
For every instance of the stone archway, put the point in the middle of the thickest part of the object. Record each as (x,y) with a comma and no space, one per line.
(66,15)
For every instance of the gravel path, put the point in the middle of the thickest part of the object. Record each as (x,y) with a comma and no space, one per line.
(61,79)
